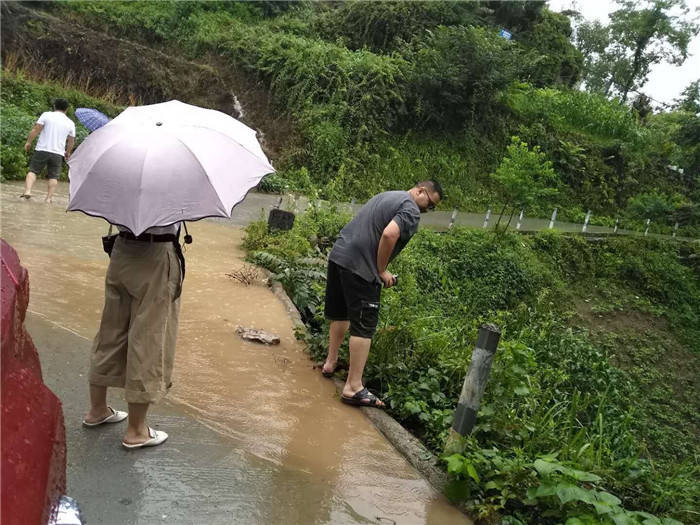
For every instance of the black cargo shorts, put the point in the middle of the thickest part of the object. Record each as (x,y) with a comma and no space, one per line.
(350,298)
(52,161)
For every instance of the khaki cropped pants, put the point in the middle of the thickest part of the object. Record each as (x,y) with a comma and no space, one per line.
(135,346)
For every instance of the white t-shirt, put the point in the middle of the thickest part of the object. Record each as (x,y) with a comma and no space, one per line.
(57,127)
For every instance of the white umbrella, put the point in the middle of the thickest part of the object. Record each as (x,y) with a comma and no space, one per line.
(164,163)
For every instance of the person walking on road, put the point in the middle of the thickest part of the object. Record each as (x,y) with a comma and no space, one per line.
(56,139)
(357,272)
(134,348)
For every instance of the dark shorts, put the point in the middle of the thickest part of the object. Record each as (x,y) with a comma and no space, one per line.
(350,298)
(52,161)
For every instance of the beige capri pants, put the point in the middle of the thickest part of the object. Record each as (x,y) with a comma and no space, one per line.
(135,346)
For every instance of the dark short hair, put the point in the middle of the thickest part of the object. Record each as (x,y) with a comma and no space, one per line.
(60,104)
(431,185)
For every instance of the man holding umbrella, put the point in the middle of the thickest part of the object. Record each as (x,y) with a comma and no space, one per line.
(147,171)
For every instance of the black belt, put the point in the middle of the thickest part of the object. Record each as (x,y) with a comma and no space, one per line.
(149,237)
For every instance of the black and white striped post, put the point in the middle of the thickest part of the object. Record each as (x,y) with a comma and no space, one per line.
(617,222)
(453,219)
(553,219)
(474,387)
(646,231)
(520,219)
(585,222)
(487,218)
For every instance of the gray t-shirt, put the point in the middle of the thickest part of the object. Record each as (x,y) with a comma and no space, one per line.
(357,244)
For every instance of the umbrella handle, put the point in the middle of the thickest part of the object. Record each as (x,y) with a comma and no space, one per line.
(188,237)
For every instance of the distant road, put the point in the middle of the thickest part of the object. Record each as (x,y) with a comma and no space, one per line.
(257,206)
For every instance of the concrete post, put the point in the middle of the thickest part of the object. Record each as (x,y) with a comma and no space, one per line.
(585,222)
(675,230)
(520,219)
(646,231)
(553,219)
(453,219)
(473,388)
(617,221)
(487,218)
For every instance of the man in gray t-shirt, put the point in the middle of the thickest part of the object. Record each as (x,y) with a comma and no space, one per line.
(357,271)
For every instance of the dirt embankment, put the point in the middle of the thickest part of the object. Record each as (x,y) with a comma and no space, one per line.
(46,47)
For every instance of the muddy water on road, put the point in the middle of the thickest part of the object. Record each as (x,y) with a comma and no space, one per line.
(268,401)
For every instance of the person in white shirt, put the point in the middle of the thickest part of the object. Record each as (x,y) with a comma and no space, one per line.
(56,139)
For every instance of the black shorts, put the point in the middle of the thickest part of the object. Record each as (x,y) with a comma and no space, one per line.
(350,298)
(53,162)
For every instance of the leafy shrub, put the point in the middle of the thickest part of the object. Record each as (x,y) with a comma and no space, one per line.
(458,73)
(525,176)
(584,112)
(388,24)
(656,206)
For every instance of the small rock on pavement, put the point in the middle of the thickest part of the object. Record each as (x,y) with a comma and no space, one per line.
(259,336)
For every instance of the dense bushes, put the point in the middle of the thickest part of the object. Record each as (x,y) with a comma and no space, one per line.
(388,25)
(364,83)
(574,395)
(458,74)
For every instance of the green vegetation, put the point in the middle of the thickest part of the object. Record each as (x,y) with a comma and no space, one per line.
(366,86)
(587,415)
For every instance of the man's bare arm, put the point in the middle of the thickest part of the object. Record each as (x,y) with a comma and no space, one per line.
(387,242)
(32,135)
(69,146)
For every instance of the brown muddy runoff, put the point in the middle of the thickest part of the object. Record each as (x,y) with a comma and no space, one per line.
(268,401)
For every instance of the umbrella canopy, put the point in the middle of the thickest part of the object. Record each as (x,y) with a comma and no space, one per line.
(164,163)
(91,118)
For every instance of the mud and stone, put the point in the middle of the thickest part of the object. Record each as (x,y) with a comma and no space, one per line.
(255,437)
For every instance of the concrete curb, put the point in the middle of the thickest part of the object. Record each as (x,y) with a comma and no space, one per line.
(422,459)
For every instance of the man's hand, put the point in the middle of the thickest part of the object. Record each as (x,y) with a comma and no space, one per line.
(387,278)
(67,156)
(27,146)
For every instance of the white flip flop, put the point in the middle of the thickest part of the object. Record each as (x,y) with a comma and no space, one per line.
(156,438)
(115,417)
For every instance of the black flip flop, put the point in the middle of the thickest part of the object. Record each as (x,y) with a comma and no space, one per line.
(25,196)
(363,398)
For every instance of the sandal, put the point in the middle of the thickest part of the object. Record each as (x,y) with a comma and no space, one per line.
(156,437)
(115,417)
(25,196)
(363,398)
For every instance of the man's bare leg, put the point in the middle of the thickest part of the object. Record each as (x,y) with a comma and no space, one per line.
(359,350)
(137,430)
(29,182)
(52,183)
(336,334)
(98,404)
